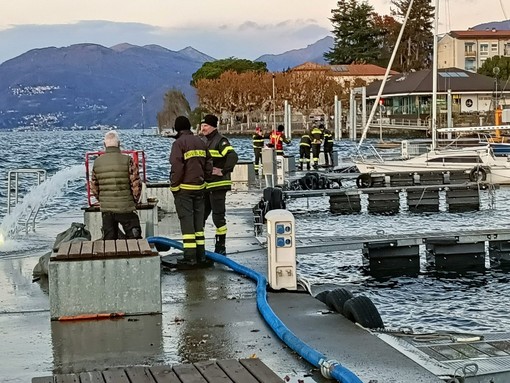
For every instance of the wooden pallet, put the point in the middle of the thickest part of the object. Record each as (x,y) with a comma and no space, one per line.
(120,248)
(219,371)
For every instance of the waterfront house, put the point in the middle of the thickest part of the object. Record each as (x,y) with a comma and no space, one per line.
(408,96)
(469,49)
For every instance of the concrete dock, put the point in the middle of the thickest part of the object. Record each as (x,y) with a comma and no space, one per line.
(207,314)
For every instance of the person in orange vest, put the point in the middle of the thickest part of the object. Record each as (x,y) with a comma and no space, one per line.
(277,138)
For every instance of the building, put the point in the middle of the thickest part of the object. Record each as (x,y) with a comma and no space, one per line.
(346,75)
(469,49)
(409,96)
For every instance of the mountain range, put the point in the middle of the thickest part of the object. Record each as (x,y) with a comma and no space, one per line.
(123,85)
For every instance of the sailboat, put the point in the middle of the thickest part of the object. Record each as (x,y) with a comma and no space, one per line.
(480,161)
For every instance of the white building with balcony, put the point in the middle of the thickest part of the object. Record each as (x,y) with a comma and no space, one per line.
(469,49)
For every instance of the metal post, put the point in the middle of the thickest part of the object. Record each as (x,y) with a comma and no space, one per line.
(337,118)
(380,123)
(274,105)
(434,78)
(363,106)
(352,114)
(286,118)
(340,123)
(449,112)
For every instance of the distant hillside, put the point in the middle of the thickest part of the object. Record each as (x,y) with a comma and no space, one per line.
(312,53)
(87,84)
(498,25)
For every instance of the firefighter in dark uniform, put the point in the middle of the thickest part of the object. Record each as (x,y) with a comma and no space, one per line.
(316,137)
(224,159)
(258,145)
(304,150)
(328,146)
(191,165)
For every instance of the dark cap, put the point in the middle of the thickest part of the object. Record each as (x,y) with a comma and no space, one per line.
(182,123)
(211,120)
(281,128)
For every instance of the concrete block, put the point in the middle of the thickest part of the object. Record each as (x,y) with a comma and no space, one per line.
(243,175)
(161,192)
(103,286)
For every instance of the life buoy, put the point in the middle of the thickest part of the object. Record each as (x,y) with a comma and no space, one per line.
(477,174)
(363,311)
(364,180)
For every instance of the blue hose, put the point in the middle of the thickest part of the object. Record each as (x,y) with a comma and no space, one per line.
(328,367)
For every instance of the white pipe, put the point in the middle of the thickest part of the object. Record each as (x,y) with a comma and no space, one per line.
(388,68)
(434,79)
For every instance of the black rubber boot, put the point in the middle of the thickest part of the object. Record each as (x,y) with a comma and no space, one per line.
(189,261)
(203,261)
(219,246)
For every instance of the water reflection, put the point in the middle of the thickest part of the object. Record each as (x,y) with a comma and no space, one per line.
(94,345)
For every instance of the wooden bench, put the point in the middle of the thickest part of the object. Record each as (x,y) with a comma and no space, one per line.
(120,248)
(101,278)
(225,371)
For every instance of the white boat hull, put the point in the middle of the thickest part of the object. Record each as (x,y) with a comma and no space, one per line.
(498,168)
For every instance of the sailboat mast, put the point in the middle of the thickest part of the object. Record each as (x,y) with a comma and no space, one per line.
(434,78)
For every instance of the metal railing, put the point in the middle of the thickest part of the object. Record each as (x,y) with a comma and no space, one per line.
(13,192)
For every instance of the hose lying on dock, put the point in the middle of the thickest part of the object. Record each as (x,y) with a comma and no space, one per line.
(329,368)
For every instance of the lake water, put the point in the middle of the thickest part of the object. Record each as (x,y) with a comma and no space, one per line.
(474,302)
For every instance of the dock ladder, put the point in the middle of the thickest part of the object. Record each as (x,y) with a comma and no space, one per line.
(13,194)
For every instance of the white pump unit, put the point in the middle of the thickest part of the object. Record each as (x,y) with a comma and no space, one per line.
(281,249)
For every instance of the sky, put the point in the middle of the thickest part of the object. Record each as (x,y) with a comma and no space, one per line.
(218,28)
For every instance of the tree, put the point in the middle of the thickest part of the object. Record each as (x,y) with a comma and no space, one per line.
(214,69)
(355,32)
(417,40)
(488,67)
(174,104)
(390,29)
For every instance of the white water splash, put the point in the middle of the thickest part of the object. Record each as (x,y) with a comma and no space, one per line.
(37,197)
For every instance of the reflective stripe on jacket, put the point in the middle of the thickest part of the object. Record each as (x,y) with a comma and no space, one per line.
(224,157)
(190,163)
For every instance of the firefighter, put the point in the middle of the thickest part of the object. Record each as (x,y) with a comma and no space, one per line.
(258,144)
(191,165)
(224,159)
(304,150)
(328,146)
(316,137)
(277,139)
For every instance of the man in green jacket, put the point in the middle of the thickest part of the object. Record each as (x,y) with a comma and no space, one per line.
(116,185)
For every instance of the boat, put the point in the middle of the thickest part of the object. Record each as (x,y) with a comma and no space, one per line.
(480,161)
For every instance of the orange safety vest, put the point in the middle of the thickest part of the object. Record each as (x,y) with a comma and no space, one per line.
(276,140)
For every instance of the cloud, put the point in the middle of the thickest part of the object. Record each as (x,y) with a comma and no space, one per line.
(246,40)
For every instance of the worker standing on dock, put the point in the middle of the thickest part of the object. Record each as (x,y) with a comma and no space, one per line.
(328,146)
(304,150)
(190,165)
(258,145)
(224,159)
(316,137)
(277,139)
(116,185)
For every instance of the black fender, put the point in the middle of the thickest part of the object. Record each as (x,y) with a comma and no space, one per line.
(336,299)
(364,180)
(362,310)
(477,174)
